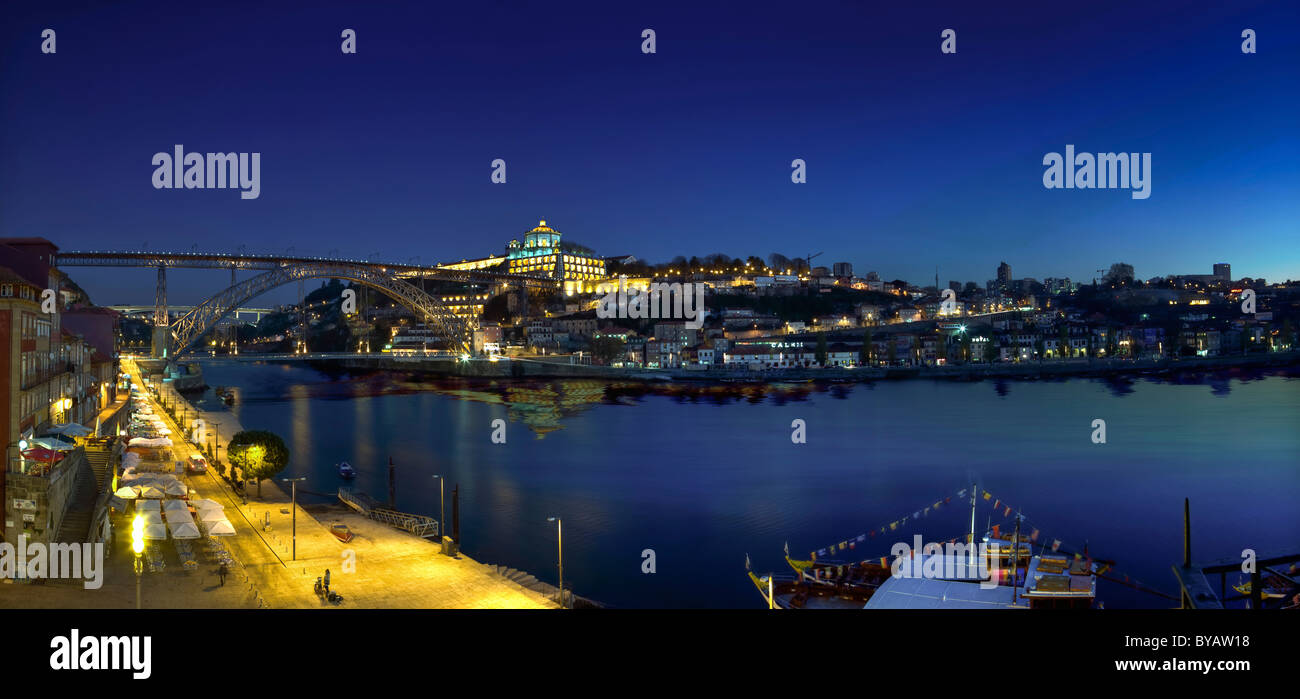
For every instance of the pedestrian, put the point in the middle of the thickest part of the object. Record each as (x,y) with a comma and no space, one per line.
(327,581)
(221,572)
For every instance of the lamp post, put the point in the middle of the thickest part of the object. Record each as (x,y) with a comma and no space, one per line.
(216,444)
(442,507)
(294,486)
(137,546)
(559,540)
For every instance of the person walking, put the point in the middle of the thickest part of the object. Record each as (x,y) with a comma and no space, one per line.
(327,581)
(221,572)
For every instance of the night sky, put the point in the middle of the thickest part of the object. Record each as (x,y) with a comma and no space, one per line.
(915,159)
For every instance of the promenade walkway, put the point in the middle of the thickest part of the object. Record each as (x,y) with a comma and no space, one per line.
(380,568)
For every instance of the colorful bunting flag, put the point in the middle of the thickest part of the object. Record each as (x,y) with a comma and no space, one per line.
(988,495)
(1056,544)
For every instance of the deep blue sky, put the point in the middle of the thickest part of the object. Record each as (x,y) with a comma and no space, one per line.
(915,159)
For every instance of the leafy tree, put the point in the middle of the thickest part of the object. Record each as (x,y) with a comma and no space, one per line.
(821,348)
(258,454)
(990,351)
(864,355)
(1063,340)
(892,354)
(1040,346)
(1120,274)
(606,349)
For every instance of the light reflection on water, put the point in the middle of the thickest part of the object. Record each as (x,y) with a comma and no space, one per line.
(704,474)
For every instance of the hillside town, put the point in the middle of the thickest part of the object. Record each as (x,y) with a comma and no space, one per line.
(784,313)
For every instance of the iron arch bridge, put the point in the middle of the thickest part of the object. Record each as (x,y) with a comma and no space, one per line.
(189,328)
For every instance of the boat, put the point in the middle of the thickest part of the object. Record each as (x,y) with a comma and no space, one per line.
(341,532)
(226,395)
(821,585)
(346,471)
(1006,575)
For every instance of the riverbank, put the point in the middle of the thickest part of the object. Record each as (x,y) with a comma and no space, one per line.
(533,368)
(280,548)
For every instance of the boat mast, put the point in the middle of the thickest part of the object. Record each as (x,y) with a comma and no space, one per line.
(973,489)
(1015,563)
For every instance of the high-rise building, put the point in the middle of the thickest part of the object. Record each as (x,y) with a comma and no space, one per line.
(1223,271)
(1004,277)
(843,269)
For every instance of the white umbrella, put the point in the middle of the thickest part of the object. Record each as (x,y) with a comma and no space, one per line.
(220,528)
(146,506)
(184,530)
(179,505)
(155,531)
(205,504)
(71,429)
(176,488)
(212,514)
(151,492)
(52,443)
(128,492)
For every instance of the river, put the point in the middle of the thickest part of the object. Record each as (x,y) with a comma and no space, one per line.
(703,475)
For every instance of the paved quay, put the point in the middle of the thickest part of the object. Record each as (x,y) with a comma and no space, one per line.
(380,568)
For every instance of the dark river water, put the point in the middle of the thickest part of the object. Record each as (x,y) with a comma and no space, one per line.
(703,475)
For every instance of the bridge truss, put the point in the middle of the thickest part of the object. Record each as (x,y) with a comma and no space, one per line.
(190,328)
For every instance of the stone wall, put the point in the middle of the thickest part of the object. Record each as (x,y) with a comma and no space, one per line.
(49,495)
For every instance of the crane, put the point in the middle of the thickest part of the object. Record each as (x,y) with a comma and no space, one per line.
(808,261)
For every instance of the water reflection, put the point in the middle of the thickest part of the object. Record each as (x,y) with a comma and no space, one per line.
(544,405)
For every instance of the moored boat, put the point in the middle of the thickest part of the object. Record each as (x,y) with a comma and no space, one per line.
(346,470)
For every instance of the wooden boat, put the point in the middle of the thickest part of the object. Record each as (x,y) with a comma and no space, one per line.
(821,585)
(1274,587)
(341,532)
(346,471)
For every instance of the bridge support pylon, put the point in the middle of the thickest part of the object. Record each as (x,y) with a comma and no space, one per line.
(162,334)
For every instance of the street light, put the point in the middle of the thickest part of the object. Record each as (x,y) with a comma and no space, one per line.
(294,487)
(442,507)
(137,545)
(559,539)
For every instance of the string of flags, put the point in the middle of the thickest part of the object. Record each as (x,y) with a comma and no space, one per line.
(999,507)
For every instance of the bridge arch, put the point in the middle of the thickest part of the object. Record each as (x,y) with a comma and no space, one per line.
(189,328)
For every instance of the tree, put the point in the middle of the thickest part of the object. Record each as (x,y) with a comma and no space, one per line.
(864,355)
(1063,340)
(821,348)
(1040,347)
(259,454)
(892,351)
(1119,275)
(990,351)
(606,349)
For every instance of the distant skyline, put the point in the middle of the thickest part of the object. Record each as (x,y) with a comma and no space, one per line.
(915,159)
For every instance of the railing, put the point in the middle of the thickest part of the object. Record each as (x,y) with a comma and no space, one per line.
(419,525)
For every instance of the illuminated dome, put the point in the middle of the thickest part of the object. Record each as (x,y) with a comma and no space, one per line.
(543,237)
(543,228)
